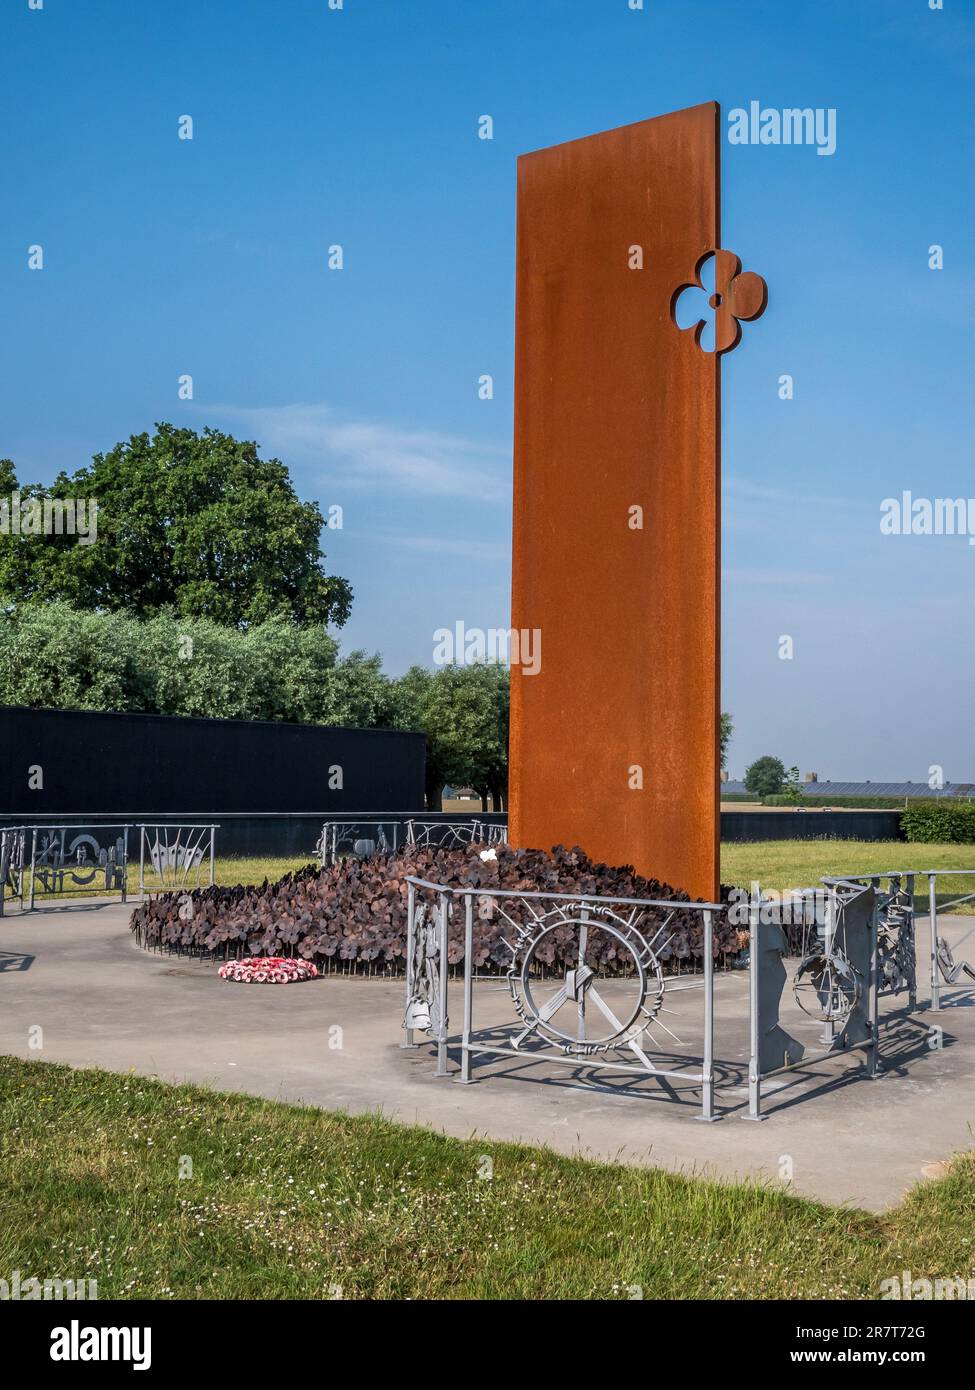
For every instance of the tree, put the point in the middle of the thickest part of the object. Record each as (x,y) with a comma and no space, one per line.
(55,657)
(726,731)
(463,710)
(765,776)
(196,522)
(792,787)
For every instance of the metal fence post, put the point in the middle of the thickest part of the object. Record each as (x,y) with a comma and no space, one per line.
(465,1041)
(912,986)
(213,840)
(33,857)
(707,1069)
(444,915)
(142,861)
(935,1004)
(125,863)
(754,1072)
(410,950)
(874,1068)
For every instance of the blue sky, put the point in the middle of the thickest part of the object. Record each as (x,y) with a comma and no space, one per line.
(359,127)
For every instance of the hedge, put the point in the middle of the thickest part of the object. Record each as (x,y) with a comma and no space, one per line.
(54,657)
(940,822)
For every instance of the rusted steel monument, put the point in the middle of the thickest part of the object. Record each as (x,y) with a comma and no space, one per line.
(617,496)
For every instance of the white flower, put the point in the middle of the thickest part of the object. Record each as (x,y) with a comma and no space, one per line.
(488,854)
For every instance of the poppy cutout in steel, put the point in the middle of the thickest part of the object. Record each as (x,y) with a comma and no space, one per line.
(739,296)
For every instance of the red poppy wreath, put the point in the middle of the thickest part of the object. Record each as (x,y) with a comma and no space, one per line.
(268,970)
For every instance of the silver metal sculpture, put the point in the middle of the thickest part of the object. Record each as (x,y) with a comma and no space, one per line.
(590,1017)
(13,840)
(577,992)
(362,837)
(835,983)
(422,1006)
(68,859)
(944,969)
(826,986)
(455,834)
(177,855)
(857,945)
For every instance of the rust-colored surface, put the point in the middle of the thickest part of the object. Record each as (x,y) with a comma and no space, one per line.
(617,408)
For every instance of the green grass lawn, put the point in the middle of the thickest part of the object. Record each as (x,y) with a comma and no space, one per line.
(286,1202)
(782,864)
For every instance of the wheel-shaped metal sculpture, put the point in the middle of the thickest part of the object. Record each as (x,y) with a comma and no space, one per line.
(826,987)
(576,1016)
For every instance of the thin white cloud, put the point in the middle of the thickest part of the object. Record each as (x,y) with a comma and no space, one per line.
(361,453)
(490,552)
(759,492)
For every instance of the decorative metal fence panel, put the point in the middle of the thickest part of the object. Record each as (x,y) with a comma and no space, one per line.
(364,836)
(68,860)
(944,969)
(455,834)
(367,835)
(13,841)
(905,895)
(605,1012)
(835,983)
(852,942)
(175,856)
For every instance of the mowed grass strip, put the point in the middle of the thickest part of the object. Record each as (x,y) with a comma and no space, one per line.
(286,1202)
(783,864)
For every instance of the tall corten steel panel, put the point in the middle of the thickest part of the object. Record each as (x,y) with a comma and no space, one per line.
(617,409)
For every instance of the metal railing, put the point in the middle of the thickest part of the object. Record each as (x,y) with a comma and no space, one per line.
(385,834)
(359,835)
(637,930)
(455,834)
(13,840)
(941,957)
(175,854)
(68,859)
(856,948)
(942,966)
(80,858)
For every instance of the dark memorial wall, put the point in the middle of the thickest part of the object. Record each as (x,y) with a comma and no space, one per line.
(139,766)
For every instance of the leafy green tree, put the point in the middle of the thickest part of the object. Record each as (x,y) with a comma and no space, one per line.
(463,710)
(53,657)
(196,522)
(765,776)
(727,728)
(792,787)
(411,707)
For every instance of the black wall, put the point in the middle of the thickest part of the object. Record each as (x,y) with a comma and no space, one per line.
(140,766)
(811,825)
